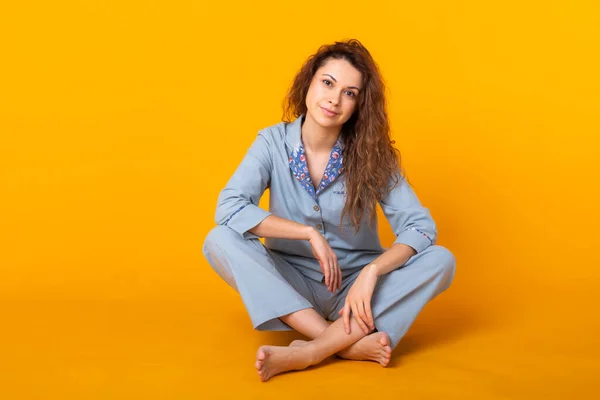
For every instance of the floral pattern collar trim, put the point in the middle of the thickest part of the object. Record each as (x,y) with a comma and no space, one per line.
(297,161)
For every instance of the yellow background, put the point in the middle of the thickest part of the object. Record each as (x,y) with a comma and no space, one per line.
(120,121)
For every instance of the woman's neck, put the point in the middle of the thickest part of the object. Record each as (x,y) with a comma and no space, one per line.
(317,139)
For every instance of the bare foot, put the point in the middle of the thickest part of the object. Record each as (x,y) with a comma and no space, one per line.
(374,347)
(273,360)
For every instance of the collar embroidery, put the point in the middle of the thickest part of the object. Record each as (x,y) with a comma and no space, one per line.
(299,167)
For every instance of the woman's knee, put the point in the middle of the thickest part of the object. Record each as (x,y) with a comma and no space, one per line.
(219,238)
(446,262)
(445,256)
(220,234)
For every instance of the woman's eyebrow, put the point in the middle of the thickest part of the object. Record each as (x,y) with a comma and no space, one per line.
(350,87)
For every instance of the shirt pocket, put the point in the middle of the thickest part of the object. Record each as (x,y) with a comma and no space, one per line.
(332,204)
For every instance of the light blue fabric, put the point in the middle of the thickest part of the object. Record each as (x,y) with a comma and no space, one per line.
(282,276)
(270,287)
(267,164)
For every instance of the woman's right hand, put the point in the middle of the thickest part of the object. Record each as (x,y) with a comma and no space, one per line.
(327,260)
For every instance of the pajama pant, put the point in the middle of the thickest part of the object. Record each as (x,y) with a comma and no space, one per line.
(271,287)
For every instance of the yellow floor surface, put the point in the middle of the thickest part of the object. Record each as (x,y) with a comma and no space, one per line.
(78,348)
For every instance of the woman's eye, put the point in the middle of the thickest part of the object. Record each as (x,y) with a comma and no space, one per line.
(328,83)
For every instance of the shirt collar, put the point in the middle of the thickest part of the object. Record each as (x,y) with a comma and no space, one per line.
(294,134)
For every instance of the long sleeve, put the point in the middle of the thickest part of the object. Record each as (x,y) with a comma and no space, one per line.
(237,205)
(411,222)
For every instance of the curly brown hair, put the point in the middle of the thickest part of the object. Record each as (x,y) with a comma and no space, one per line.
(371,162)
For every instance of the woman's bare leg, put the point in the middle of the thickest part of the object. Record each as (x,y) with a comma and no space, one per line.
(273,360)
(307,321)
(373,347)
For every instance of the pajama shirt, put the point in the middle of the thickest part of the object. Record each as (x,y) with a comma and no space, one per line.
(283,276)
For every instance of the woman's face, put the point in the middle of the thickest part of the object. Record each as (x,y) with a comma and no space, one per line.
(333,93)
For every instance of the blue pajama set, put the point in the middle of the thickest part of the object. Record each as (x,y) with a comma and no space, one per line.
(282,276)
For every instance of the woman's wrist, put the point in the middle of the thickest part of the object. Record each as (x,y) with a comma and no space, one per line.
(373,269)
(309,232)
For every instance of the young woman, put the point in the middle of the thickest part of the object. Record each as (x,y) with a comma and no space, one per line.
(327,166)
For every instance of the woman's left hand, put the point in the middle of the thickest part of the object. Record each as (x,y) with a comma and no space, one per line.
(358,300)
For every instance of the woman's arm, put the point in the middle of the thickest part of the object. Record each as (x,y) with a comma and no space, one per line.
(358,300)
(237,205)
(391,259)
(277,227)
(415,230)
(412,224)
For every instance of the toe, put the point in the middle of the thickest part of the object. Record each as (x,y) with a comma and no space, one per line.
(264,376)
(261,355)
(384,339)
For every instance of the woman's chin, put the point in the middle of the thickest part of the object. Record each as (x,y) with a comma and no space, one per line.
(328,122)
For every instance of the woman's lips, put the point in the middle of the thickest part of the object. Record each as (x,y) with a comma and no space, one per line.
(328,113)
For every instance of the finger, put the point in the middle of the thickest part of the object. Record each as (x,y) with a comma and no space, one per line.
(328,269)
(346,316)
(363,315)
(369,313)
(325,269)
(339,276)
(334,276)
(357,318)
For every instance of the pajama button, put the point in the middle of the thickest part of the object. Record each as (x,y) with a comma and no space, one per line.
(316,208)
(319,226)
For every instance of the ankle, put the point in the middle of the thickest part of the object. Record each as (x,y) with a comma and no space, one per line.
(313,355)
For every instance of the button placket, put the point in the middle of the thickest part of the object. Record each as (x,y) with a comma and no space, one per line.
(320,225)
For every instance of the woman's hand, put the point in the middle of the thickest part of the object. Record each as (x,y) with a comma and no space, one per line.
(327,260)
(358,300)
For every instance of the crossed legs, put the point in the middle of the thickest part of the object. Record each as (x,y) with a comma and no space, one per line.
(374,346)
(249,268)
(273,360)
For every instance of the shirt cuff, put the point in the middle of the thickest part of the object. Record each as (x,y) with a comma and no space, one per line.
(247,218)
(415,239)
